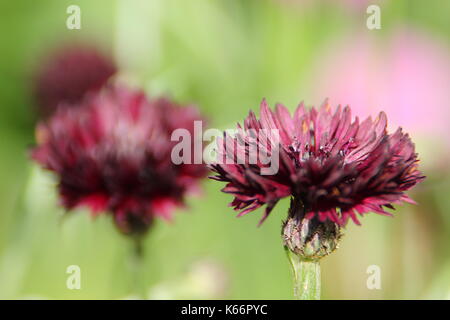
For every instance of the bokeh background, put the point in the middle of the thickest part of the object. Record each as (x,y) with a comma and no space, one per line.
(225,56)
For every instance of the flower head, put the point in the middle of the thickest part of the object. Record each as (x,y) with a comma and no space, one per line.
(335,166)
(113,153)
(68,74)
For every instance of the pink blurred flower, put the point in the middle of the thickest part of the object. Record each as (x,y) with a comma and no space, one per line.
(407,76)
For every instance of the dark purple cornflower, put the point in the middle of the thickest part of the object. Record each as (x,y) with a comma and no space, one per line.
(68,73)
(112,153)
(333,168)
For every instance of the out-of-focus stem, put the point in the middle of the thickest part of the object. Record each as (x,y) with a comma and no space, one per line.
(137,266)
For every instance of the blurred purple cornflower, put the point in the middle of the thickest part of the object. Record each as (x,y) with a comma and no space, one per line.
(112,153)
(335,167)
(68,73)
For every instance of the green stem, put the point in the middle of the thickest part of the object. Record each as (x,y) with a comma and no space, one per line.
(306,276)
